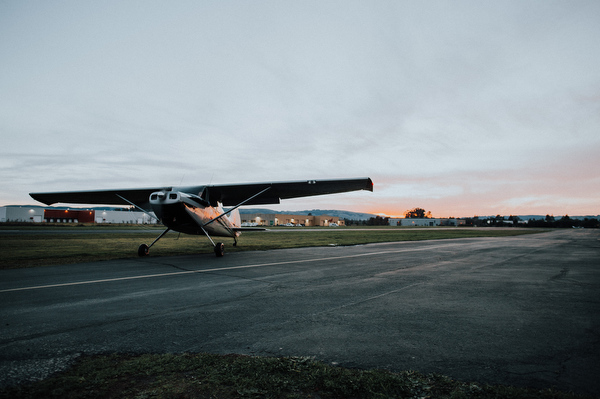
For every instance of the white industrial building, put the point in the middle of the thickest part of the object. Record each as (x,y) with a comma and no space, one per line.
(126,217)
(425,222)
(22,213)
(39,214)
(414,222)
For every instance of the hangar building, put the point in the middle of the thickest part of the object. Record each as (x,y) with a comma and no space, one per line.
(39,214)
(425,222)
(22,213)
(280,219)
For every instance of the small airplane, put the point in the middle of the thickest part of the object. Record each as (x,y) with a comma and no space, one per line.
(199,209)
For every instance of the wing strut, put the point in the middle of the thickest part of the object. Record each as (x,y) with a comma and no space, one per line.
(220,247)
(137,207)
(235,207)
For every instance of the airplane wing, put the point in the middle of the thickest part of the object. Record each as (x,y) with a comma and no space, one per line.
(227,194)
(139,197)
(233,194)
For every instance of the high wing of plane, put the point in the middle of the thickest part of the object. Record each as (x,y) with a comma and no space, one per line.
(199,209)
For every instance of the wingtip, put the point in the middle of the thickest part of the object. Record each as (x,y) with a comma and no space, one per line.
(36,196)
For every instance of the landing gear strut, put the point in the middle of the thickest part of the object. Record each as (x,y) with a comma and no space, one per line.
(144,249)
(218,247)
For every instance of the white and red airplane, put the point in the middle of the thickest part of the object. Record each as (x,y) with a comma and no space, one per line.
(199,209)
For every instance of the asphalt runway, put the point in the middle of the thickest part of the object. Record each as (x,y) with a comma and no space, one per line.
(521,311)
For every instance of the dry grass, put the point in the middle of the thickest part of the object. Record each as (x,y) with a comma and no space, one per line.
(58,245)
(235,376)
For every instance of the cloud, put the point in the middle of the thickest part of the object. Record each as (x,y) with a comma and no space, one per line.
(464,107)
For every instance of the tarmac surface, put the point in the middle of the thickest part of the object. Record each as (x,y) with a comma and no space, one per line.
(521,311)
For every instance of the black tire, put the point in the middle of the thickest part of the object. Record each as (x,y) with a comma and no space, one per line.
(219,249)
(143,250)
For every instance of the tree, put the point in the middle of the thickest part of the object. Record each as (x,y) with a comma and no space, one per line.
(565,221)
(590,223)
(378,221)
(416,213)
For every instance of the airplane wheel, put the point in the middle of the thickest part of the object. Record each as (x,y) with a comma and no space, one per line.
(219,249)
(143,250)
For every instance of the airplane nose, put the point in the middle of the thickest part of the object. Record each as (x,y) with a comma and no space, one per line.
(157,196)
(165,198)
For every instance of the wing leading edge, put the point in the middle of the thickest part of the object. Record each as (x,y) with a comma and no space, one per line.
(104,197)
(227,194)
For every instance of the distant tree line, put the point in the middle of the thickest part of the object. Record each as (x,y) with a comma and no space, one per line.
(494,221)
(548,221)
(564,222)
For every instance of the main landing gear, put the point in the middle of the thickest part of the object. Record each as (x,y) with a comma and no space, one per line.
(144,249)
(219,247)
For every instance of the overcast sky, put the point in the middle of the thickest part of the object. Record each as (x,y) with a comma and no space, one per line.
(459,107)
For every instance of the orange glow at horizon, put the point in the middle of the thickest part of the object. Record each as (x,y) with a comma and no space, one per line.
(387,213)
(395,215)
(464,211)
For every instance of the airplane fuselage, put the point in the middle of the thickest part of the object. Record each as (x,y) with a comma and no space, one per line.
(191,215)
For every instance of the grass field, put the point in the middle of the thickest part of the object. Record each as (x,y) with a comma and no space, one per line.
(53,245)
